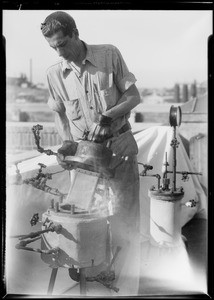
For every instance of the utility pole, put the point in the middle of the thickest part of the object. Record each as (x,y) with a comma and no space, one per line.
(185,93)
(31,71)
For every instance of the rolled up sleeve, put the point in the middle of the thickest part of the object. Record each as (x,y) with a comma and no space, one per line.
(55,106)
(54,101)
(123,78)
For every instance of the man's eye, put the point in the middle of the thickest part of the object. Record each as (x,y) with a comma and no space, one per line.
(59,46)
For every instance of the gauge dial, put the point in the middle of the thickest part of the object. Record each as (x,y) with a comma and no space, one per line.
(175,115)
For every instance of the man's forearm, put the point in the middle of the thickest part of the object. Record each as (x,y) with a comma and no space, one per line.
(62,126)
(126,103)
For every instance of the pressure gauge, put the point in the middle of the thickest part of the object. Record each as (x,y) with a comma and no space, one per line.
(175,116)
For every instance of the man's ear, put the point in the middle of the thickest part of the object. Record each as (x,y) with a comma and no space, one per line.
(76,32)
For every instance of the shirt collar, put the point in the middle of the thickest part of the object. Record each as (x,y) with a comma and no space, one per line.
(89,57)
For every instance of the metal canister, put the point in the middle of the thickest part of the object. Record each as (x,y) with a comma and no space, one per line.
(165,216)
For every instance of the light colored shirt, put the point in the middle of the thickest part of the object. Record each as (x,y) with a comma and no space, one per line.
(83,96)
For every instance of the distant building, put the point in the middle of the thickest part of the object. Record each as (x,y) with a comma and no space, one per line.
(13,81)
(40,86)
(153,98)
(18,81)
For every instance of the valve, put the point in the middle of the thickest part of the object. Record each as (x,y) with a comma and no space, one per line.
(174,143)
(144,172)
(146,168)
(191,203)
(85,135)
(41,166)
(35,219)
(40,180)
(185,176)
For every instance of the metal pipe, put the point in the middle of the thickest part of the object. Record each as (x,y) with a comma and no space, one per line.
(32,235)
(165,164)
(82,281)
(174,159)
(52,280)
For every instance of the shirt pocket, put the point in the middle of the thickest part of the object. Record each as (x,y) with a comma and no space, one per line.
(107,97)
(73,109)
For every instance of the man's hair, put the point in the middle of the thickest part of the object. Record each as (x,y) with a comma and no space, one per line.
(58,21)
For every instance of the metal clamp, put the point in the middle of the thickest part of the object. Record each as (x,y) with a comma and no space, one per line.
(107,277)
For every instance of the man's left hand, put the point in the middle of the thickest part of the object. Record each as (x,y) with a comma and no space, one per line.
(68,148)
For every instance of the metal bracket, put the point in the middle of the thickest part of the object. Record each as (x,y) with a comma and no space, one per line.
(36,132)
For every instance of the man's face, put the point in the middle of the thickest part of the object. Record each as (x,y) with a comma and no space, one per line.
(66,46)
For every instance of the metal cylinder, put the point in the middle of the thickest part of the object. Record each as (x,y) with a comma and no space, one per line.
(82,238)
(193,90)
(82,281)
(165,215)
(177,93)
(185,93)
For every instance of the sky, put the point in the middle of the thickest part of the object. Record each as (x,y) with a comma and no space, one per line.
(160,47)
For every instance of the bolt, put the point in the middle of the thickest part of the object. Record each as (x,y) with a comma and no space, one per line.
(52,204)
(56,206)
(181,189)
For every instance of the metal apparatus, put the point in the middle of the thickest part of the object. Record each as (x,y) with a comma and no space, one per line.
(75,230)
(40,181)
(165,200)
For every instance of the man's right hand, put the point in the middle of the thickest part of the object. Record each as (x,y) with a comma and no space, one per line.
(68,148)
(100,131)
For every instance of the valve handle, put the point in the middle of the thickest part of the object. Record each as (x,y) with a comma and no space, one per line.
(35,219)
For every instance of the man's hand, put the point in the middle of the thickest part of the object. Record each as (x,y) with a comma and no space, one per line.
(68,148)
(100,131)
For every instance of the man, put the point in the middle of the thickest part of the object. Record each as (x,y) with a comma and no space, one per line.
(93,92)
